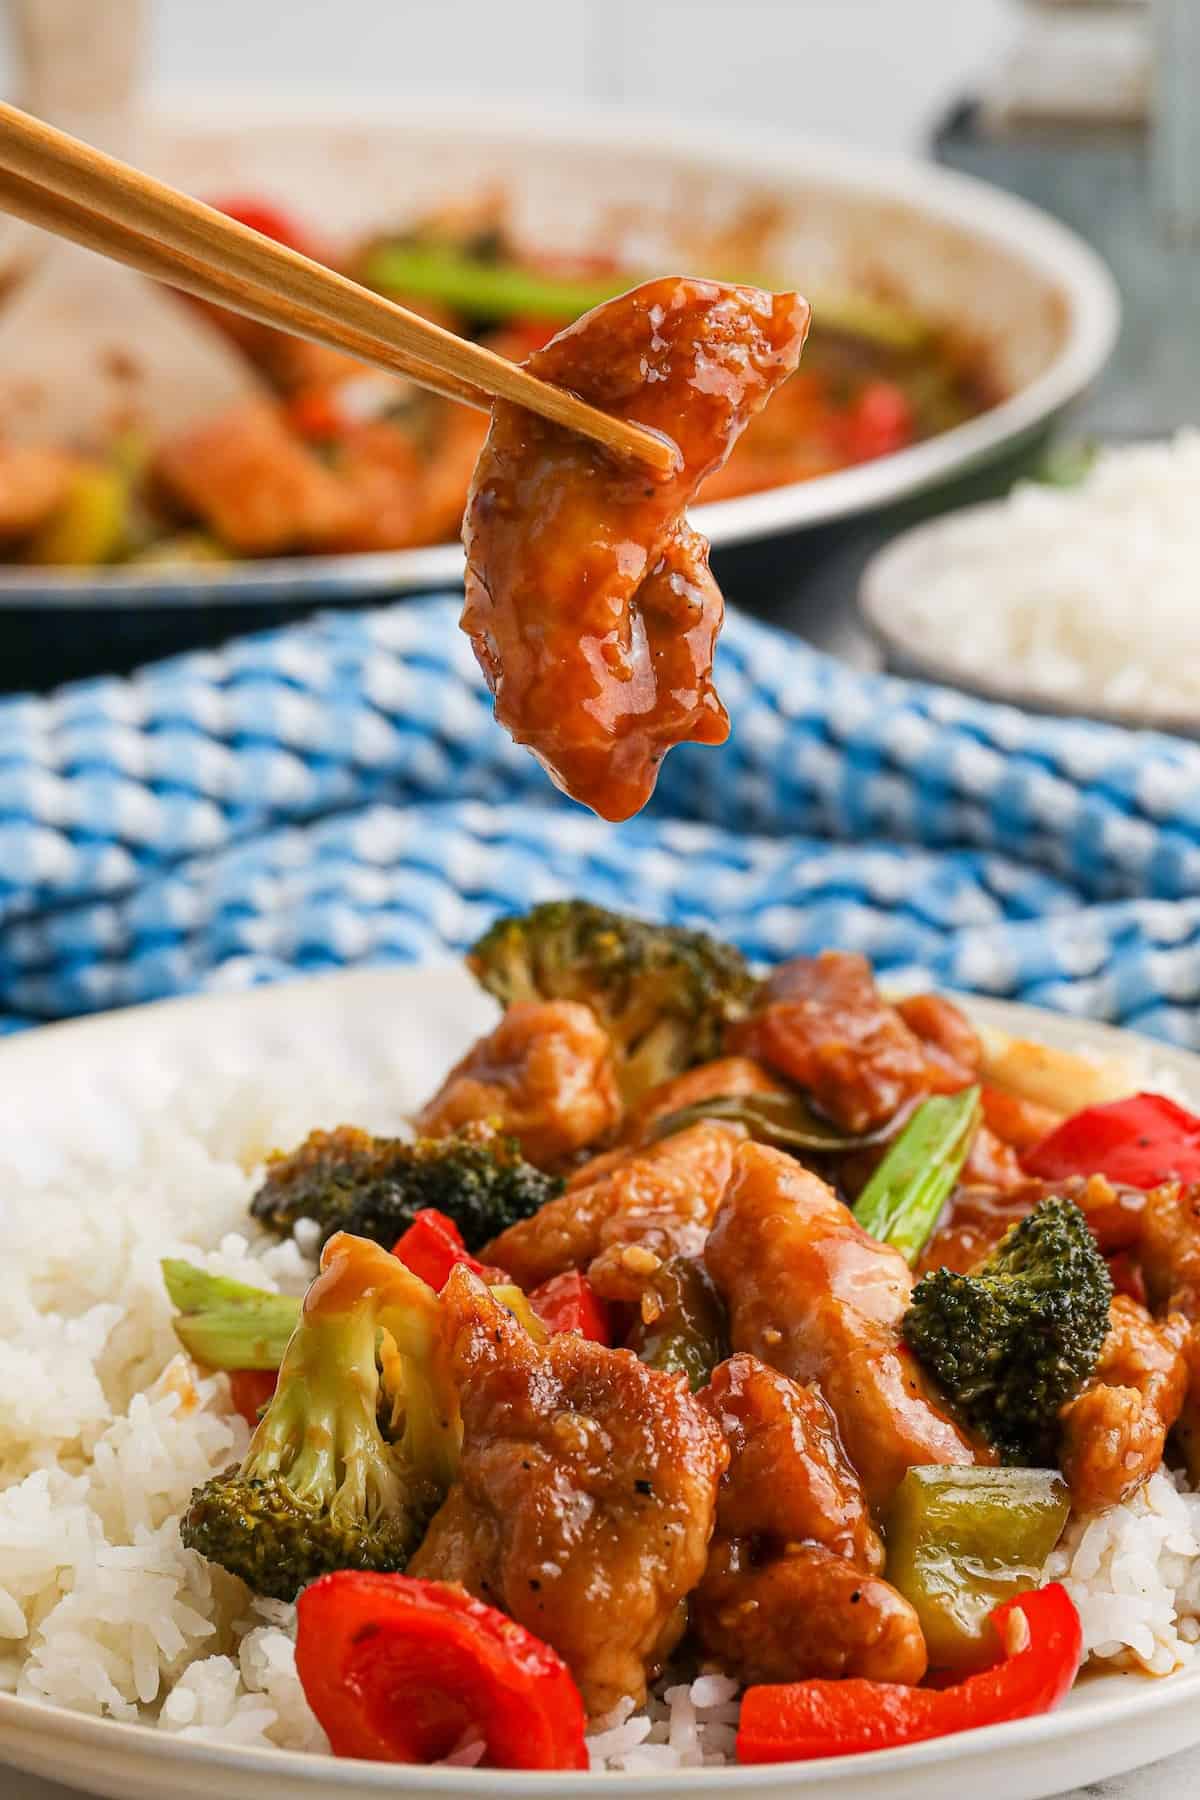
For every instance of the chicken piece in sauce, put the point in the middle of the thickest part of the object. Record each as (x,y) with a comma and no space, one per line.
(252,481)
(974,1221)
(1114,1432)
(34,483)
(1168,1253)
(952,1047)
(810,1293)
(622,1218)
(1168,1247)
(737,1075)
(792,1587)
(544,1076)
(978,1215)
(589,600)
(408,488)
(585,1497)
(824,1025)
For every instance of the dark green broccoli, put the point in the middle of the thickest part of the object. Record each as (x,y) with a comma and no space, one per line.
(664,994)
(1014,1340)
(372,1187)
(321,1486)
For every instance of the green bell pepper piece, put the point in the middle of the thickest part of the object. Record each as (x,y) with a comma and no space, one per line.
(961,1540)
(685,1333)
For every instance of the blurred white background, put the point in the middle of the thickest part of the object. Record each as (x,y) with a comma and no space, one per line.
(875,72)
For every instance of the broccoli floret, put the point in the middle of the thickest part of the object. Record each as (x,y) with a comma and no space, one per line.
(373,1187)
(1014,1340)
(664,994)
(321,1486)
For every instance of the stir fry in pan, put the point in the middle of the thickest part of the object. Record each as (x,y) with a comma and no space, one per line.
(332,458)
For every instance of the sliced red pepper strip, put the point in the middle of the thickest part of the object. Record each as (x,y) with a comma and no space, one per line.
(878,422)
(1138,1143)
(402,1671)
(807,1719)
(433,1246)
(270,220)
(569,1302)
(250,1389)
(315,413)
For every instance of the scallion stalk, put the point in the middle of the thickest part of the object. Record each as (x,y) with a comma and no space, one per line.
(901,1203)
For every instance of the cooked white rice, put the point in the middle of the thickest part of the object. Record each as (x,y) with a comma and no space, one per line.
(105,1429)
(1084,596)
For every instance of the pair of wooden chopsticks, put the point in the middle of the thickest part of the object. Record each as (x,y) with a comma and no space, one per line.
(66,187)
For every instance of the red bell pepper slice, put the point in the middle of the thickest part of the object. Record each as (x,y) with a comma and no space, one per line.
(250,1389)
(1043,1643)
(433,1246)
(1137,1143)
(569,1302)
(878,422)
(270,220)
(316,414)
(402,1671)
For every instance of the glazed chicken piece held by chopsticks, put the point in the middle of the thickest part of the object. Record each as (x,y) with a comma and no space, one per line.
(589,600)
(585,1495)
(812,1295)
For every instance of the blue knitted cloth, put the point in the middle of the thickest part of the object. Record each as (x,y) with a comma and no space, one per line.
(335,793)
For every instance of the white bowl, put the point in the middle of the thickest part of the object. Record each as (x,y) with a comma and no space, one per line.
(907,564)
(1042,306)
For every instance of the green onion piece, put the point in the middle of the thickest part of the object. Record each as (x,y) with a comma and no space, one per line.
(225,1324)
(505,290)
(487,290)
(901,1202)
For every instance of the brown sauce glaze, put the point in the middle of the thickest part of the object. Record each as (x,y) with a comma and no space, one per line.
(589,600)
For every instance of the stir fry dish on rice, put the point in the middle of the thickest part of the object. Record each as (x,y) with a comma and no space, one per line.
(720,1365)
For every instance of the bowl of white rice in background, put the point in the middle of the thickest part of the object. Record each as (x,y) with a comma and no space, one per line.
(1080,599)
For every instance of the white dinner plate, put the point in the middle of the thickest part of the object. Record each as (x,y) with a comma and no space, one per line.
(87,1084)
(1039,303)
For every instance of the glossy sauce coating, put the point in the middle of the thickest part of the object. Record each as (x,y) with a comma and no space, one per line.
(812,1295)
(823,1023)
(545,1075)
(585,1497)
(1114,1432)
(589,600)
(654,1203)
(736,1075)
(792,1587)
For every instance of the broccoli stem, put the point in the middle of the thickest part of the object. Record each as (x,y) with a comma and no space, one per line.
(502,290)
(901,1202)
(225,1324)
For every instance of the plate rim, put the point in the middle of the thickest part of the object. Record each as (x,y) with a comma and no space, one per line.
(1088,291)
(1119,1697)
